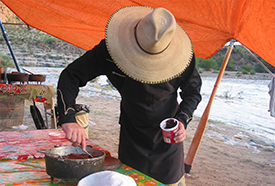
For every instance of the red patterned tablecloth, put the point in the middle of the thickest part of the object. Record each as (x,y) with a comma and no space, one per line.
(19,145)
(21,164)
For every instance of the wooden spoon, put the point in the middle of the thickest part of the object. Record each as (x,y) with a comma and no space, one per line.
(90,156)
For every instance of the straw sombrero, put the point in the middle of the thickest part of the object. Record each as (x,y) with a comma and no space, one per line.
(147,44)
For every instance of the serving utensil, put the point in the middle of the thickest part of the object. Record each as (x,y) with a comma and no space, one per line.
(90,156)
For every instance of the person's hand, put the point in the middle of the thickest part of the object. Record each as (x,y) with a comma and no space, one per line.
(180,134)
(75,134)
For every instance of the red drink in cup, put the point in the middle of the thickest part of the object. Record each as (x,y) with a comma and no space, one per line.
(169,127)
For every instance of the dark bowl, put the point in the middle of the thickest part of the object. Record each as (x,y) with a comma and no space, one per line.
(22,77)
(37,77)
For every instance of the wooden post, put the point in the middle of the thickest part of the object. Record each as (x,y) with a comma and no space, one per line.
(203,121)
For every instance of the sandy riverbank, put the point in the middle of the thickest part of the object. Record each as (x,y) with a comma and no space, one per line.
(216,163)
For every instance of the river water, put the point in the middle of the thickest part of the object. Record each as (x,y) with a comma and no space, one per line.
(238,102)
(241,103)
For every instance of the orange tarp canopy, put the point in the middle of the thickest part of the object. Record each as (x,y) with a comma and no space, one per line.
(209,23)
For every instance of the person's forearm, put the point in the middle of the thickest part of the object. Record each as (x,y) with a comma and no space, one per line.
(67,91)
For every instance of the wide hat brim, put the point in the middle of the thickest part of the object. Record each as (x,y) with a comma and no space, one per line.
(133,61)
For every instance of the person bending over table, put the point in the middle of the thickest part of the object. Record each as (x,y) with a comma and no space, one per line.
(147,56)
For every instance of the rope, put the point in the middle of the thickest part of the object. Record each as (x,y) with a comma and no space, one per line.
(273,75)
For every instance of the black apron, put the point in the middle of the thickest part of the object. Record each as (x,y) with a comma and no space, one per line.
(143,107)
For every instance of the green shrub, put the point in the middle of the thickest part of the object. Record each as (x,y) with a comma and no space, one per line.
(197,63)
(259,69)
(252,72)
(50,40)
(238,74)
(6,61)
(208,64)
(245,71)
(247,67)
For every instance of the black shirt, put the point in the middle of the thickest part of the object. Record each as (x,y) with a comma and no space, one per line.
(143,107)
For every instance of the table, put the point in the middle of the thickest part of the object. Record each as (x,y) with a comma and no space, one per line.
(21,164)
(38,93)
(12,98)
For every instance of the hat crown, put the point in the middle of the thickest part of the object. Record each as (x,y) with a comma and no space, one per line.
(155,31)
